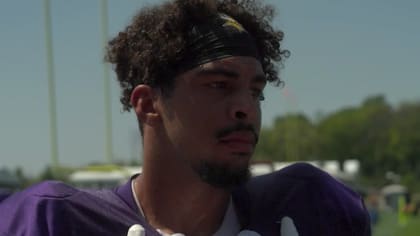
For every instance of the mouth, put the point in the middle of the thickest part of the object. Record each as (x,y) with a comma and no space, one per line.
(241,142)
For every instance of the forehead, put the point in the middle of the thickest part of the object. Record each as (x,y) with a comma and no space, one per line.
(235,62)
(241,65)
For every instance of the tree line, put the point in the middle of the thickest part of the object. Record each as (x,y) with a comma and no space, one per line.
(382,137)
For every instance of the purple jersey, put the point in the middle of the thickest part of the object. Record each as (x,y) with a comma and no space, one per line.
(308,199)
(299,198)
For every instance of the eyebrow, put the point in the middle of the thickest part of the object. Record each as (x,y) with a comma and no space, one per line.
(228,73)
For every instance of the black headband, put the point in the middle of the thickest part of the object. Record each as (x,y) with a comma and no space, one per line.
(219,37)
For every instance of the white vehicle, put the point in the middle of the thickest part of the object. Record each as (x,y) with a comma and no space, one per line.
(102,176)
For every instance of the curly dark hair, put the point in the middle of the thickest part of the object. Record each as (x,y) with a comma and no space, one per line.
(151,48)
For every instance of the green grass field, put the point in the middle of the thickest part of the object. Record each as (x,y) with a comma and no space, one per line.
(388,226)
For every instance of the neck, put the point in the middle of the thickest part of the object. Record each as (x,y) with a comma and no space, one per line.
(175,200)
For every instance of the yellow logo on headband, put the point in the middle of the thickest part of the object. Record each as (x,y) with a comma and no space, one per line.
(229,21)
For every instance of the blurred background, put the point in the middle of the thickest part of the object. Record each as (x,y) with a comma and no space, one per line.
(350,106)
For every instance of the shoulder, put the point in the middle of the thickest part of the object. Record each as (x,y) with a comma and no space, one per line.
(4,195)
(306,183)
(42,192)
(50,189)
(318,203)
(54,208)
(299,178)
(35,207)
(298,171)
(56,192)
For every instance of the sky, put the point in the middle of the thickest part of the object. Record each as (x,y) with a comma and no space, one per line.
(341,53)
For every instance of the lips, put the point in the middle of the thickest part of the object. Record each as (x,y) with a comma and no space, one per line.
(239,142)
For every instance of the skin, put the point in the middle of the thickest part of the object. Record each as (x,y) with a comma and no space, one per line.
(182,130)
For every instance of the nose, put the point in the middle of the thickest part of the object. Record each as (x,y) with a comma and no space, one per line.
(240,115)
(244,107)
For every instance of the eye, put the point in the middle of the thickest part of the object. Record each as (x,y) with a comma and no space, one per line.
(217,84)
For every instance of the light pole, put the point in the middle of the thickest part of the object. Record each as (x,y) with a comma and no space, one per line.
(107,91)
(51,86)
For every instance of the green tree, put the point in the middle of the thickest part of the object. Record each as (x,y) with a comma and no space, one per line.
(381,137)
(357,133)
(404,145)
(292,138)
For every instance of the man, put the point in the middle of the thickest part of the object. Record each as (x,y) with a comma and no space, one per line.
(194,73)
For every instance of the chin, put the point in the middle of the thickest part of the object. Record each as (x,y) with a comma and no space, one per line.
(223,175)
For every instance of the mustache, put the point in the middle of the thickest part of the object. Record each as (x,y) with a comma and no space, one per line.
(238,127)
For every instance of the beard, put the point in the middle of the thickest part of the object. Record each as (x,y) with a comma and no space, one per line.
(221,176)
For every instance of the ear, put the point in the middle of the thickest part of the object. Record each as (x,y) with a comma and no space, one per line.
(143,100)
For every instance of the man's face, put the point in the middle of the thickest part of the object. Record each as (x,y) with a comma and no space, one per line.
(213,118)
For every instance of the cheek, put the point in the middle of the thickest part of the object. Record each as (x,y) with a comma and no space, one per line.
(193,122)
(259,114)
(256,121)
(206,112)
